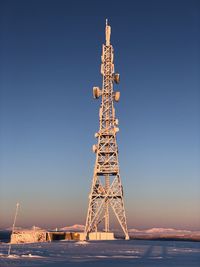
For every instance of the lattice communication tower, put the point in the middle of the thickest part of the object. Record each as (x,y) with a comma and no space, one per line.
(106,191)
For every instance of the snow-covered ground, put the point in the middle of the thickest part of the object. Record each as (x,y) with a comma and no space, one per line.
(103,253)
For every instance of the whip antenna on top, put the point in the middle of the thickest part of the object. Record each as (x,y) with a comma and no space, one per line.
(108,33)
(13,227)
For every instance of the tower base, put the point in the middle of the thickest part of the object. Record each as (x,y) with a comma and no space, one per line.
(101,236)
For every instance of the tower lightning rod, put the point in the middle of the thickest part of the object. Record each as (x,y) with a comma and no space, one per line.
(108,33)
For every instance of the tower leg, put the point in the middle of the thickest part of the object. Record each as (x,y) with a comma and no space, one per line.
(107,185)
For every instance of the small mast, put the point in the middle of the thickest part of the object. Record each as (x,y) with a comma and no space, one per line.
(108,33)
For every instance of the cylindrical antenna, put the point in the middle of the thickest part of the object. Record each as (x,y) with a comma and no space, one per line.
(13,228)
(108,33)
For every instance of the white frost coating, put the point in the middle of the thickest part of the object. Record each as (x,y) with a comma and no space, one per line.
(28,236)
(13,256)
(31,256)
(82,243)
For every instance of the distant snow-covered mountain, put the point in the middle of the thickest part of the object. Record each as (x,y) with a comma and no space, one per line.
(164,233)
(159,231)
(36,228)
(75,227)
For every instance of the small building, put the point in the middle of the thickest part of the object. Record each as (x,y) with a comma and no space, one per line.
(55,236)
(35,236)
(28,236)
(101,236)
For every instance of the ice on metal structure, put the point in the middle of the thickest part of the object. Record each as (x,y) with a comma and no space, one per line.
(106,191)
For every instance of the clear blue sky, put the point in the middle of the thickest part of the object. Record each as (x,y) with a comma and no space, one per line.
(50,60)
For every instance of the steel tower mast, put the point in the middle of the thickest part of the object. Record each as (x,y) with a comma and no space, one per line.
(106,191)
